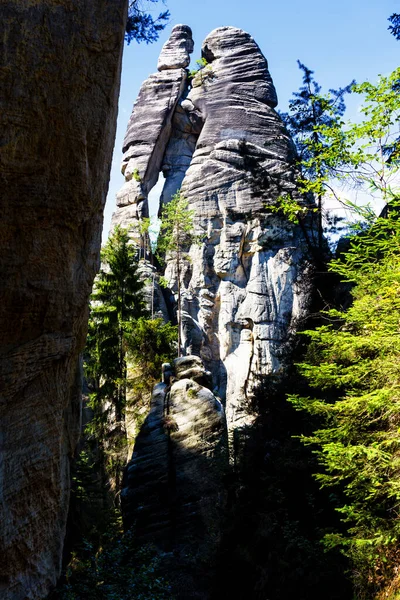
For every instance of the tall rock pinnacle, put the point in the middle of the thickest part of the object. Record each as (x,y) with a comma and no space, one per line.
(150,127)
(219,140)
(244,286)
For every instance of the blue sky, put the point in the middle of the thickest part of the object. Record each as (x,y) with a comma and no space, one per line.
(340,41)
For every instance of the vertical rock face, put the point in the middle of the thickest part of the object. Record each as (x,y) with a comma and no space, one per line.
(219,139)
(150,127)
(60,76)
(245,285)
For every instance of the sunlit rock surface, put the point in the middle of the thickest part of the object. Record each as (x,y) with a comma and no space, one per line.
(246,289)
(60,74)
(245,284)
(150,126)
(218,138)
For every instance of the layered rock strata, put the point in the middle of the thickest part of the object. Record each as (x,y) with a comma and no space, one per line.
(150,127)
(60,73)
(245,288)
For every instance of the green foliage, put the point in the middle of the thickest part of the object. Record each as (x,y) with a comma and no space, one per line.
(354,365)
(82,478)
(144,229)
(117,300)
(353,361)
(292,210)
(352,154)
(308,110)
(175,237)
(150,344)
(114,570)
(163,281)
(177,229)
(203,72)
(136,175)
(310,114)
(357,152)
(201,63)
(394,26)
(141,26)
(107,565)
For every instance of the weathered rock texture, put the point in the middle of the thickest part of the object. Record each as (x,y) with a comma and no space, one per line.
(173,491)
(60,73)
(150,127)
(219,139)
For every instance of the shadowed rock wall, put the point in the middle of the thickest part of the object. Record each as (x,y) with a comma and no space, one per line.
(60,74)
(173,490)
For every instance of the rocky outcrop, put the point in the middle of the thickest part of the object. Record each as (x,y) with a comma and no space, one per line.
(150,126)
(173,490)
(245,286)
(60,76)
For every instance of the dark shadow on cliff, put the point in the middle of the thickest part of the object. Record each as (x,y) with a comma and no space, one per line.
(277,515)
(174,491)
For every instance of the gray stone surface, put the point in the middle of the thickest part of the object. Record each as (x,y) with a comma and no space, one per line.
(144,496)
(60,66)
(186,127)
(176,51)
(173,491)
(245,287)
(152,292)
(149,131)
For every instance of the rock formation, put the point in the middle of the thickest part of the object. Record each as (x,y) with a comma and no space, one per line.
(60,76)
(173,490)
(244,285)
(218,138)
(150,127)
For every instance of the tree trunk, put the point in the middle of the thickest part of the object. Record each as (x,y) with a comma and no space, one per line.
(319,224)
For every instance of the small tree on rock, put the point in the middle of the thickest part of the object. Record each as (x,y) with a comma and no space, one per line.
(176,235)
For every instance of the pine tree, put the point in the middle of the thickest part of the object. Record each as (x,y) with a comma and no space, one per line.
(141,26)
(150,344)
(310,113)
(353,361)
(176,236)
(394,26)
(117,301)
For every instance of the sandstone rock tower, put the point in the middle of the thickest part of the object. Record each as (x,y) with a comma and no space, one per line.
(218,138)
